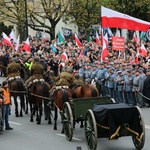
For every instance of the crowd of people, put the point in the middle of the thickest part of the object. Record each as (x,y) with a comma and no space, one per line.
(119,76)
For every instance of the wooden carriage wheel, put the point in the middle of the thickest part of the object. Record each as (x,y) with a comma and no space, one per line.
(90,130)
(67,119)
(139,144)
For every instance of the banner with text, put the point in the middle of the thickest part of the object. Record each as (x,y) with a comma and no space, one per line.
(118,43)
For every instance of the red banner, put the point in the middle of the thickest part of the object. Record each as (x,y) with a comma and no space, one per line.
(117,43)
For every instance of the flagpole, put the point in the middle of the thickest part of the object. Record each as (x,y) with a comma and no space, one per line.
(26,19)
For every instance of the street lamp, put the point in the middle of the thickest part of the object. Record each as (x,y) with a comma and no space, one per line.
(26,19)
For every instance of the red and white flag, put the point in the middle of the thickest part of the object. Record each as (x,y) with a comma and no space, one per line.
(143,51)
(136,39)
(137,57)
(114,19)
(26,45)
(12,36)
(105,51)
(119,55)
(77,41)
(105,38)
(64,56)
(97,38)
(6,40)
(17,43)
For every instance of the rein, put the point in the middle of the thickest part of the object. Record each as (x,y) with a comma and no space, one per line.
(17,91)
(39,96)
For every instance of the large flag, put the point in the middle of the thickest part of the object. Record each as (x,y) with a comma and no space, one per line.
(97,38)
(26,45)
(64,56)
(17,43)
(114,19)
(77,41)
(105,51)
(6,40)
(143,50)
(12,36)
(60,39)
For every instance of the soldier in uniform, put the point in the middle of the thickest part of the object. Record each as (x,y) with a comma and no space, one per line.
(77,80)
(37,72)
(88,72)
(128,85)
(94,72)
(13,69)
(137,81)
(101,79)
(120,85)
(111,82)
(106,79)
(82,72)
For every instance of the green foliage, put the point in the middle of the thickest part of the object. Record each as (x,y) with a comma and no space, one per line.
(85,13)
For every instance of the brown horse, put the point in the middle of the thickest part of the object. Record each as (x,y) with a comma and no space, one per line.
(38,92)
(17,89)
(60,97)
(84,91)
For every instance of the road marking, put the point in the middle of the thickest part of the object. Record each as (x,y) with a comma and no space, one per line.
(15,123)
(72,138)
(147,126)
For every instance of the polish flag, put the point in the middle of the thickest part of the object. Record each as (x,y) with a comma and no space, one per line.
(6,40)
(136,38)
(26,45)
(64,56)
(143,51)
(12,36)
(97,38)
(105,51)
(136,57)
(105,38)
(17,43)
(77,41)
(114,19)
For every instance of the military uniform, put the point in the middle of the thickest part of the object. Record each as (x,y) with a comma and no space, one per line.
(137,81)
(120,85)
(128,85)
(64,79)
(13,69)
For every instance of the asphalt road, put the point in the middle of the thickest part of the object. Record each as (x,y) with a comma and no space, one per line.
(30,136)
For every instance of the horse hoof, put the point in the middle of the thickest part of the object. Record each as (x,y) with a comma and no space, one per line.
(17,115)
(38,123)
(21,115)
(31,120)
(49,122)
(55,128)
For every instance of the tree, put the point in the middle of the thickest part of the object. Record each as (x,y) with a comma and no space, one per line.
(43,11)
(13,11)
(84,13)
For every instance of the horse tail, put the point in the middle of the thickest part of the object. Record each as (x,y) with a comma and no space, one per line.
(21,87)
(65,96)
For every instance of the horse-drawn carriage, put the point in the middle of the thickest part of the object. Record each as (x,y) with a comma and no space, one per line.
(103,118)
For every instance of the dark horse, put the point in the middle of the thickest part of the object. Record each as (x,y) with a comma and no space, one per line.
(17,89)
(85,90)
(60,97)
(38,92)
